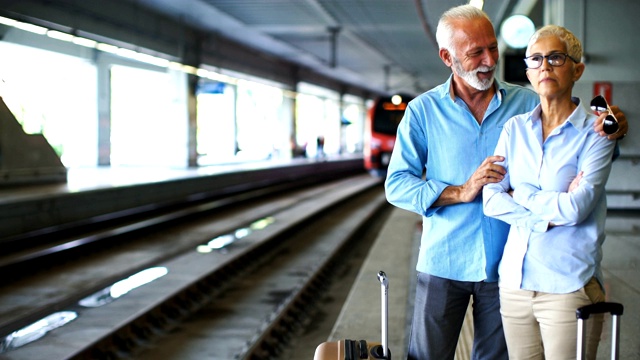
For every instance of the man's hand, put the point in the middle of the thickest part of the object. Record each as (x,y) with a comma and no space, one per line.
(488,172)
(622,123)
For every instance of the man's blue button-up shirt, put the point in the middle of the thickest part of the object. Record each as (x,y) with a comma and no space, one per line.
(439,135)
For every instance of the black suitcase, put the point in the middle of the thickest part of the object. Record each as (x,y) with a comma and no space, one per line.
(583,313)
(360,349)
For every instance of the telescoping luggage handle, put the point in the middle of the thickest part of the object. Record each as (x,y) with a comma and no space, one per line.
(583,314)
(382,351)
(384,290)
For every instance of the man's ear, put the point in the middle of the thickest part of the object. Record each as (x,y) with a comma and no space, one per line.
(445,55)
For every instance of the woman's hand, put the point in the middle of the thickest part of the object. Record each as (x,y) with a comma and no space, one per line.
(576,181)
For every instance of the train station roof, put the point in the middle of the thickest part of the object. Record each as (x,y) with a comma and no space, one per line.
(388,45)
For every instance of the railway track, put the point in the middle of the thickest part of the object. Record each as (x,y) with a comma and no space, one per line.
(236,283)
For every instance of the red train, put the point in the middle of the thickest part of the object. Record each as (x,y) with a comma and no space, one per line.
(380,131)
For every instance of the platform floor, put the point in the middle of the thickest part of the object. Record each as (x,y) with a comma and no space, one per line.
(91,178)
(395,250)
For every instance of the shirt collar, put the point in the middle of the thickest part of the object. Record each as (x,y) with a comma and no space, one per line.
(578,117)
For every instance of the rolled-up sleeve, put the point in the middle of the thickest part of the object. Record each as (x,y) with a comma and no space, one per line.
(405,186)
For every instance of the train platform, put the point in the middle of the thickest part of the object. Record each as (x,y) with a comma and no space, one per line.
(395,253)
(81,179)
(92,192)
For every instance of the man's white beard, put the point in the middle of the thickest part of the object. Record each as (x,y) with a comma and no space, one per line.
(471,77)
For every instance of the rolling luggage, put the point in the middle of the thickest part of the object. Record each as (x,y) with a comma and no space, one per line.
(360,349)
(583,314)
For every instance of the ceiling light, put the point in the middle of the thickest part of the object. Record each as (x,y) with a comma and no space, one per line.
(517,30)
(31,28)
(60,35)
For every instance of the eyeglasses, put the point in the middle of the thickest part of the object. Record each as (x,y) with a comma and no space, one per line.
(555,59)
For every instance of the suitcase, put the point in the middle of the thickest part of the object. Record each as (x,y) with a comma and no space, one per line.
(583,314)
(347,349)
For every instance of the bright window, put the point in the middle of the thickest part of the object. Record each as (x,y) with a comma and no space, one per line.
(148,118)
(216,123)
(55,95)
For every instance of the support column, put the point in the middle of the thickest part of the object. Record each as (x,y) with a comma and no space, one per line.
(104,110)
(193,57)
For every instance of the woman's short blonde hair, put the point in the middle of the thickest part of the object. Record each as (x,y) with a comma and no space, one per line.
(571,42)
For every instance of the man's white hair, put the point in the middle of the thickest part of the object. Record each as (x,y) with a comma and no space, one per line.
(444,32)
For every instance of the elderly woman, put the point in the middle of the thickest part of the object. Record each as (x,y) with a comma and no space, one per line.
(554,199)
